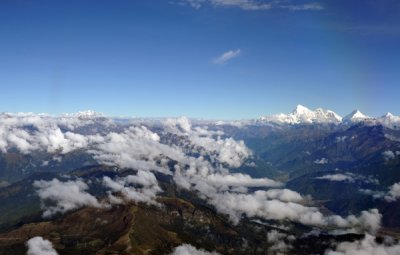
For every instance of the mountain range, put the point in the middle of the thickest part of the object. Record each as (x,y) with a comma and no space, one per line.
(303,115)
(307,182)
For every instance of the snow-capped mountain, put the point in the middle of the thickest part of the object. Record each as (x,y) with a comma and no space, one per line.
(356,116)
(302,114)
(389,120)
(88,114)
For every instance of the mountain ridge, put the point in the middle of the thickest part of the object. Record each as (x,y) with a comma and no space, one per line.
(304,115)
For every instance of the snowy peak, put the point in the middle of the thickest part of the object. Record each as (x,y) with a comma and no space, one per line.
(301,110)
(356,116)
(388,115)
(389,120)
(88,114)
(303,115)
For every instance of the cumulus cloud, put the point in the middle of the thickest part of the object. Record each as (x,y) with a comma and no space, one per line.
(187,249)
(145,191)
(280,242)
(39,246)
(136,147)
(366,246)
(208,143)
(393,193)
(64,196)
(226,56)
(388,155)
(285,195)
(30,132)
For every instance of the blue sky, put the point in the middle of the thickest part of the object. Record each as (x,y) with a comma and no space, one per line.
(223,59)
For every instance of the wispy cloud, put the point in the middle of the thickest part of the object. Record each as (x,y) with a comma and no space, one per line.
(243,4)
(226,56)
(304,7)
(253,5)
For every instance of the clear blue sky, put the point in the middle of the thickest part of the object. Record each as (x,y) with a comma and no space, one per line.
(164,58)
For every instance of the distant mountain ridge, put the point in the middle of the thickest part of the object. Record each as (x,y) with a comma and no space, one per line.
(304,115)
(299,115)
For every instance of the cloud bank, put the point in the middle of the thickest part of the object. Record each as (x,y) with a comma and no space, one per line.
(196,158)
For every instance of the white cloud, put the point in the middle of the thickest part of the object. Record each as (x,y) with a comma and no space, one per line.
(285,195)
(337,177)
(388,155)
(236,180)
(209,143)
(226,56)
(280,242)
(135,147)
(375,194)
(259,204)
(366,246)
(393,193)
(39,246)
(128,187)
(187,249)
(64,196)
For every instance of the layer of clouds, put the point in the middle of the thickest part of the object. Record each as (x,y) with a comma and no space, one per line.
(39,246)
(226,56)
(366,246)
(64,196)
(259,204)
(30,132)
(187,249)
(135,147)
(208,143)
(198,159)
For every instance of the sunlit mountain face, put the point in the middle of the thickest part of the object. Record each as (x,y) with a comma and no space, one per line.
(307,182)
